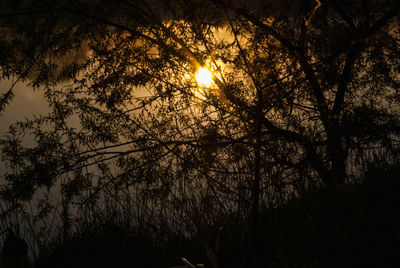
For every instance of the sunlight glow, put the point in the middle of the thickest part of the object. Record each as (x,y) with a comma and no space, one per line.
(204,77)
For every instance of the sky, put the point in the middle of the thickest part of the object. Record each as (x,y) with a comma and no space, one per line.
(26,103)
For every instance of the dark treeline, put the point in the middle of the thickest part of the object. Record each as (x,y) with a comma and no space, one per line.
(287,156)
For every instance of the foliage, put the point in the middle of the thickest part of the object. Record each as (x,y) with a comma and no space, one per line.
(301,97)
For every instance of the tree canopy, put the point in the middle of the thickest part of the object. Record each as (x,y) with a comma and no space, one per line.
(303,94)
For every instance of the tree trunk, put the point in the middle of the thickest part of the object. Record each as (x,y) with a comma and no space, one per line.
(255,202)
(257,173)
(337,157)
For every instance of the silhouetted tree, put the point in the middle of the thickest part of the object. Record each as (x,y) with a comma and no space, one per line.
(301,92)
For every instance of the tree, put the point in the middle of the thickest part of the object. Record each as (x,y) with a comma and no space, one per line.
(301,91)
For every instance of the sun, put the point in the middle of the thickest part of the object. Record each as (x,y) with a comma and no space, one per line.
(204,77)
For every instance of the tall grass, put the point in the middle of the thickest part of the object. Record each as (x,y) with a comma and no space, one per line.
(127,227)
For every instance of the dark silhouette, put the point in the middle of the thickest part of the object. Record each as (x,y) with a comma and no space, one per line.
(15,250)
(213,251)
(145,159)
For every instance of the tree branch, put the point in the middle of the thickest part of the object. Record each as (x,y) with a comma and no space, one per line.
(354,52)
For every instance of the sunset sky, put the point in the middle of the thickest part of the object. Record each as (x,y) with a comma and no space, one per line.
(25,104)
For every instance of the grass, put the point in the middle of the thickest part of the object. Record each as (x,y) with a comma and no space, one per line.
(356,226)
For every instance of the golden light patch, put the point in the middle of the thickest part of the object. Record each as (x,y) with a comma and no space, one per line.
(204,77)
